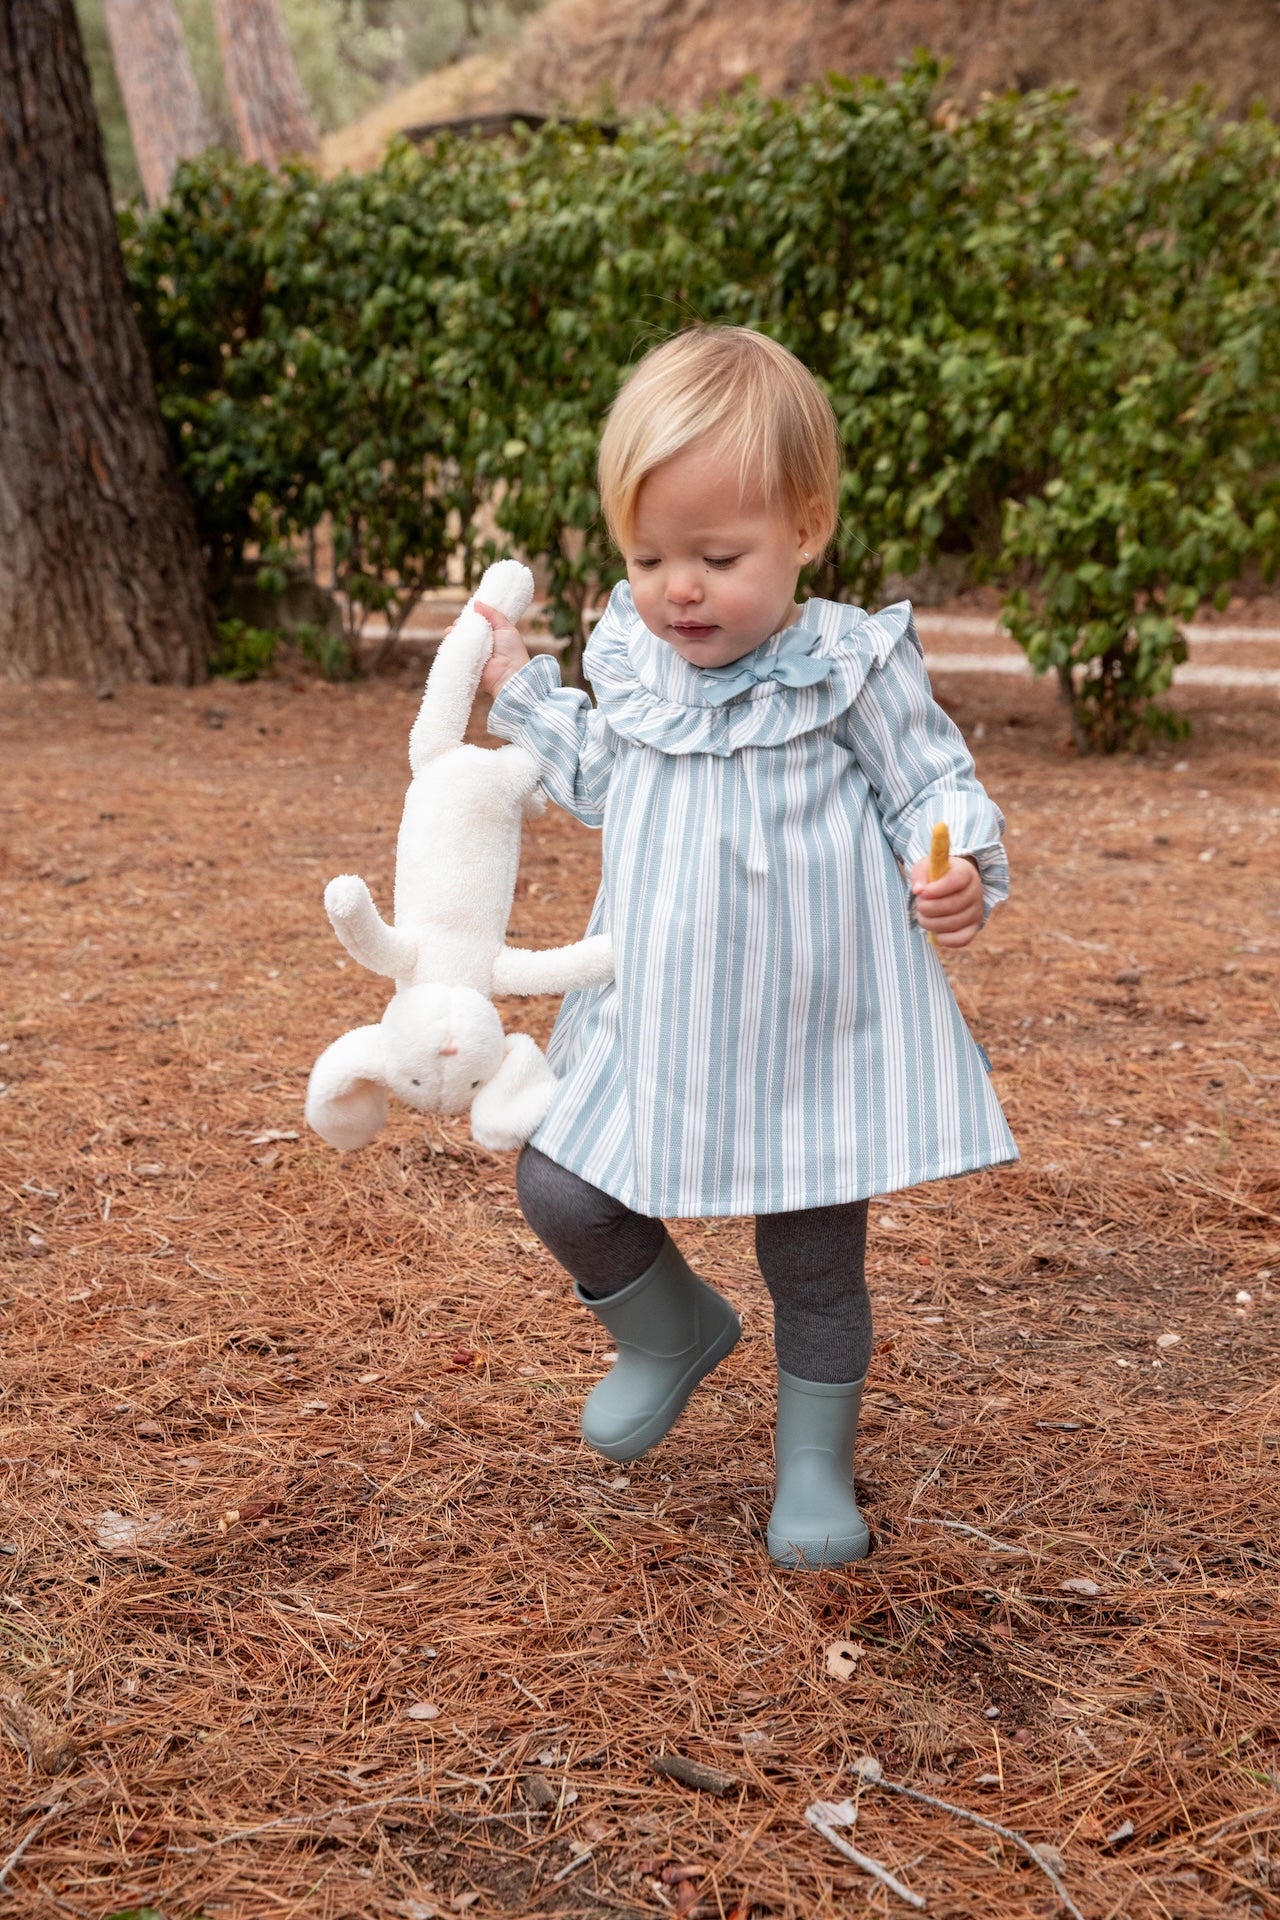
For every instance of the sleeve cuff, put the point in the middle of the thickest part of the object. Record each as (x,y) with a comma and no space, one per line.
(523,693)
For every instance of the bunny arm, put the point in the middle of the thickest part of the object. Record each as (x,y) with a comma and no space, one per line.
(513,1105)
(347,1092)
(363,931)
(586,963)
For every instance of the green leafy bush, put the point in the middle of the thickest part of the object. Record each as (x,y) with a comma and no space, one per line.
(242,652)
(329,651)
(1055,355)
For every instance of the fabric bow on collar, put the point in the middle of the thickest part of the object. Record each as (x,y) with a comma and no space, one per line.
(793,665)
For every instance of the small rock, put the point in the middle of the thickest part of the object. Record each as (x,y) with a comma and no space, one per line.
(1167,1340)
(538,1792)
(48,1746)
(1086,1587)
(215,717)
(422,1710)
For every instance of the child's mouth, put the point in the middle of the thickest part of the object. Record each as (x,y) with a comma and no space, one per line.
(689,630)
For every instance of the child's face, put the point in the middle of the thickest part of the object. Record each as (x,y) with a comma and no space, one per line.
(712,573)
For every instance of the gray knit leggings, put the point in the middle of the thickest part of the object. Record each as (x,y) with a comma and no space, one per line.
(812,1262)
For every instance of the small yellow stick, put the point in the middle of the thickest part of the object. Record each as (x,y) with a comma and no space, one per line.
(939,858)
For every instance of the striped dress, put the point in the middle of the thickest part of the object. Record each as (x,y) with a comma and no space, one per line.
(779,1033)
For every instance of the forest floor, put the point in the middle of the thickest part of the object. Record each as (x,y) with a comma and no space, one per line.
(312,1602)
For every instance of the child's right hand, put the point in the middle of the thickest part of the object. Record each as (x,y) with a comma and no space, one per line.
(509,651)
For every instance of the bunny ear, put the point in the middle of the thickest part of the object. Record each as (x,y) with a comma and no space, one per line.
(347,1091)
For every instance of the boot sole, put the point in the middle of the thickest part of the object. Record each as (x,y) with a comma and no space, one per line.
(815,1555)
(659,1424)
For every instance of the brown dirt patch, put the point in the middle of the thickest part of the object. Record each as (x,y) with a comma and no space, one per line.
(336,1397)
(633,54)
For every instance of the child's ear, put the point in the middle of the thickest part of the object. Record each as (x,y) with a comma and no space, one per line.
(813,533)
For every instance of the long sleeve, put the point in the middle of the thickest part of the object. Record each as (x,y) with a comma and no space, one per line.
(921,771)
(568,737)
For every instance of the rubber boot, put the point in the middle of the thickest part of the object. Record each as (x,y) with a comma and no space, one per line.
(815,1520)
(670,1329)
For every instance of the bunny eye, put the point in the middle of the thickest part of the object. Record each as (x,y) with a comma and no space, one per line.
(417,1083)
(474,1085)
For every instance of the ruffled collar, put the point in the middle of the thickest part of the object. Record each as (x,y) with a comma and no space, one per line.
(650,694)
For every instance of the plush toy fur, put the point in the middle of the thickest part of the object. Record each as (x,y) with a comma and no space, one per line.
(440,1044)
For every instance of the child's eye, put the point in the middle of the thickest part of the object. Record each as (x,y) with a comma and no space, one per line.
(645,566)
(721,560)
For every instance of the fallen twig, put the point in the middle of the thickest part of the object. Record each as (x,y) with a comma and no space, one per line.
(1228,1546)
(36,1827)
(433,1811)
(579,1860)
(826,1816)
(962,1526)
(868,1772)
(1241,1206)
(692,1773)
(1220,1827)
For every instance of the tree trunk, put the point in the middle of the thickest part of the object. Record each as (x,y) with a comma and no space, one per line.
(268,105)
(166,115)
(101,575)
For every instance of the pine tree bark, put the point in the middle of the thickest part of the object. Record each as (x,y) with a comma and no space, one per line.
(101,574)
(268,104)
(167,120)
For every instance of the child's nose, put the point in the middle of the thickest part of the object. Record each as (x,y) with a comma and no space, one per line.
(684,589)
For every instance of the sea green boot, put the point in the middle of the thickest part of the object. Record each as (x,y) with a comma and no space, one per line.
(815,1520)
(670,1329)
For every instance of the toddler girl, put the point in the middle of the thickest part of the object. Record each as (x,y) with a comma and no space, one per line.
(780,1039)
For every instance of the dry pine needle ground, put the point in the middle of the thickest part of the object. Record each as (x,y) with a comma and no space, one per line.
(312,1603)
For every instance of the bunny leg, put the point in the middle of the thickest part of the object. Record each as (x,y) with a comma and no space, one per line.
(460,659)
(586,963)
(347,1091)
(513,1105)
(451,688)
(363,931)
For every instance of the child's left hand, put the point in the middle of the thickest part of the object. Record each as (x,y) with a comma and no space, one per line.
(951,908)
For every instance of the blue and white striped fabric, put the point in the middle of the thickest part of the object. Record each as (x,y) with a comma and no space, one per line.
(780,1034)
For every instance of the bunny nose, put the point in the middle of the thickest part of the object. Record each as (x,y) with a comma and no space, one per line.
(452,1048)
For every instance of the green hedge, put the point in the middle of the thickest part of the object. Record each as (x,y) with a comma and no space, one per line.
(1058,354)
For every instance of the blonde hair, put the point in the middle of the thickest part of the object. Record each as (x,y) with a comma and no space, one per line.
(742,390)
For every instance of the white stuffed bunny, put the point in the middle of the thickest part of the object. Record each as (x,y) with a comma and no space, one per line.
(440,1044)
